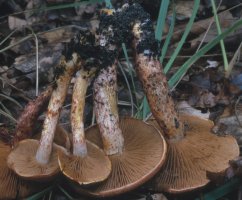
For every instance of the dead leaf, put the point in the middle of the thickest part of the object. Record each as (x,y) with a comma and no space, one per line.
(48,59)
(185,108)
(16,23)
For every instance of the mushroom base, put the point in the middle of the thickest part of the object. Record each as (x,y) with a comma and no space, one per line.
(143,155)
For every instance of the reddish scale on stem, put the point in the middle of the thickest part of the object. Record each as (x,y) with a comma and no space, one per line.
(30,114)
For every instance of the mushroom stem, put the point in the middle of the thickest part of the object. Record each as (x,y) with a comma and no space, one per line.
(155,84)
(57,99)
(77,110)
(105,105)
(30,114)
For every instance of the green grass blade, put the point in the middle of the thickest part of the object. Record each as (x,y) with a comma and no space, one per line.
(11,99)
(183,69)
(184,36)
(130,71)
(139,113)
(226,64)
(5,109)
(8,116)
(8,36)
(168,37)
(161,19)
(66,193)
(40,194)
(146,108)
(108,4)
(56,7)
(130,92)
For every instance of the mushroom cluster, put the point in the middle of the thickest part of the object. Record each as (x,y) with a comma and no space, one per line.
(120,154)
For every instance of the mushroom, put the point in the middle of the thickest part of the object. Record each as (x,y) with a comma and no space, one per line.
(192,151)
(88,163)
(136,150)
(11,186)
(32,159)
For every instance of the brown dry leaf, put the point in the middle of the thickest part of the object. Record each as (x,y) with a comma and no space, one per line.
(226,20)
(48,59)
(235,168)
(86,10)
(33,17)
(4,80)
(183,9)
(231,123)
(58,35)
(184,108)
(202,98)
(16,23)
(233,60)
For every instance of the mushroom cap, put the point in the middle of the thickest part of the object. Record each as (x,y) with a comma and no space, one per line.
(11,186)
(92,168)
(143,154)
(189,159)
(23,162)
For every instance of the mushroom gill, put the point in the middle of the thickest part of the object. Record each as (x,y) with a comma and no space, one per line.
(206,152)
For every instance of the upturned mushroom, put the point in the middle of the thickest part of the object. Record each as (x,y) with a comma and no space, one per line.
(32,159)
(192,149)
(88,163)
(136,150)
(12,186)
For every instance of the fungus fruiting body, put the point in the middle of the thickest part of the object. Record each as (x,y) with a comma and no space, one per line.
(208,153)
(32,159)
(136,149)
(11,186)
(191,153)
(88,163)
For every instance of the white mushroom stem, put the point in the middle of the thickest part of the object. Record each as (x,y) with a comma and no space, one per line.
(77,110)
(54,108)
(105,105)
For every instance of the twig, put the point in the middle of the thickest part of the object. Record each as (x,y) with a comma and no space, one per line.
(236,110)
